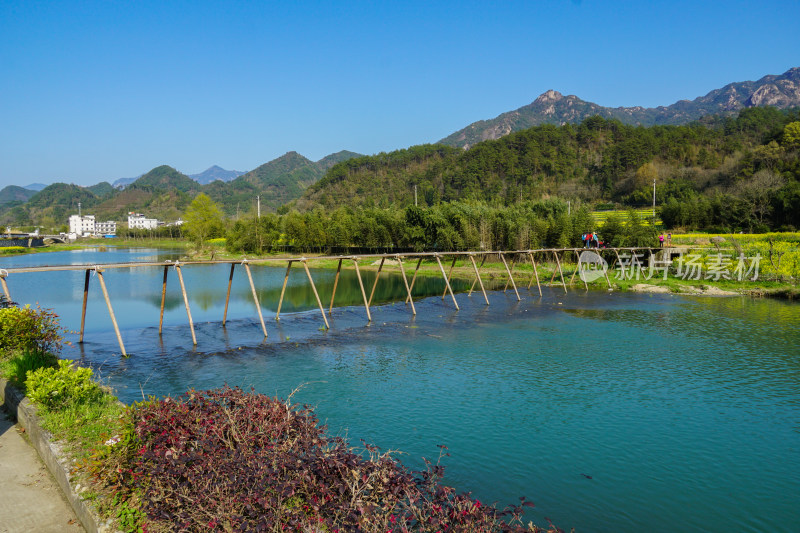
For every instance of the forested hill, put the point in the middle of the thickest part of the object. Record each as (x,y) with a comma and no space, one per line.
(598,160)
(781,91)
(164,193)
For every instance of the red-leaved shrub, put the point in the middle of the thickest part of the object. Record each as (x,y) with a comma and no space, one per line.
(230,460)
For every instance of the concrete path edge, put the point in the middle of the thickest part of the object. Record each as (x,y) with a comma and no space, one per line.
(19,406)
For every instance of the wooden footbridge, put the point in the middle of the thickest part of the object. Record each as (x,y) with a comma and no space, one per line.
(509,259)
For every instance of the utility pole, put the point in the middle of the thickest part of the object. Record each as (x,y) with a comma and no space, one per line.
(654,199)
(569,207)
(79,209)
(258,201)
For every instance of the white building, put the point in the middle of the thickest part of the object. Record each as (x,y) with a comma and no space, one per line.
(82,225)
(138,221)
(86,226)
(109,227)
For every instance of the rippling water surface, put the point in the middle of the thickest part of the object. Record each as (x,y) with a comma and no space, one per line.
(611,411)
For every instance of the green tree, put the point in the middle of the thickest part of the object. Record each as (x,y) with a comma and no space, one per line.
(791,135)
(203,220)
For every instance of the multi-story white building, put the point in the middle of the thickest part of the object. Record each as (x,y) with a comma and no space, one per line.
(138,221)
(81,225)
(86,226)
(109,227)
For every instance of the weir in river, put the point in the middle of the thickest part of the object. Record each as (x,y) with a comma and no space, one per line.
(509,259)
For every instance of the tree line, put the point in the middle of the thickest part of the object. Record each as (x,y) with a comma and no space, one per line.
(736,173)
(450,226)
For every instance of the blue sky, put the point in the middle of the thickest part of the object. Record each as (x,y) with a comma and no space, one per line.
(95,91)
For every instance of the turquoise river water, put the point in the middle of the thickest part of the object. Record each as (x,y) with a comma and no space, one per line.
(610,411)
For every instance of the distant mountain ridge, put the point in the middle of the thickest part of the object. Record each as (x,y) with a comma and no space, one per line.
(209,175)
(552,107)
(214,173)
(165,193)
(13,193)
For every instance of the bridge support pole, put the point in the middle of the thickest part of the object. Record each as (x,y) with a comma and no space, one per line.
(511,271)
(478,278)
(605,273)
(510,277)
(186,303)
(377,275)
(558,263)
(85,298)
(577,266)
(449,276)
(414,277)
(335,283)
(283,290)
(535,274)
(553,277)
(361,285)
(110,310)
(619,261)
(5,287)
(227,295)
(316,294)
(405,281)
(633,253)
(255,297)
(163,299)
(446,282)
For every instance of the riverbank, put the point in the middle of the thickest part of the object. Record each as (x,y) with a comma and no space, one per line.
(783,286)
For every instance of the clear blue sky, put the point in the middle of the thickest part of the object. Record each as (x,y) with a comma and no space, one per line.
(94,91)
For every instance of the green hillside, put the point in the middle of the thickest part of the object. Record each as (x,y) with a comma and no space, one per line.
(598,160)
(15,194)
(166,177)
(280,181)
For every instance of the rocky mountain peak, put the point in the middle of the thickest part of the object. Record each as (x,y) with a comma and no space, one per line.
(548,97)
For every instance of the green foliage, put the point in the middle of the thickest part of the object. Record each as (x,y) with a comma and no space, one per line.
(445,227)
(791,135)
(16,364)
(53,388)
(596,161)
(33,329)
(129,519)
(636,233)
(203,220)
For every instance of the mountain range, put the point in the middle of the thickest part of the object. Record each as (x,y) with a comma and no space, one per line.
(552,107)
(209,175)
(164,192)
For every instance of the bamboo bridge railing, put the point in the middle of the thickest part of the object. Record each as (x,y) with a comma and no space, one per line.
(523,255)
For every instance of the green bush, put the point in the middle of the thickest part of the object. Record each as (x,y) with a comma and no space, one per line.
(58,387)
(32,329)
(16,367)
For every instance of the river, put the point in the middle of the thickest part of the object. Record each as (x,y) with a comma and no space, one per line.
(610,411)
